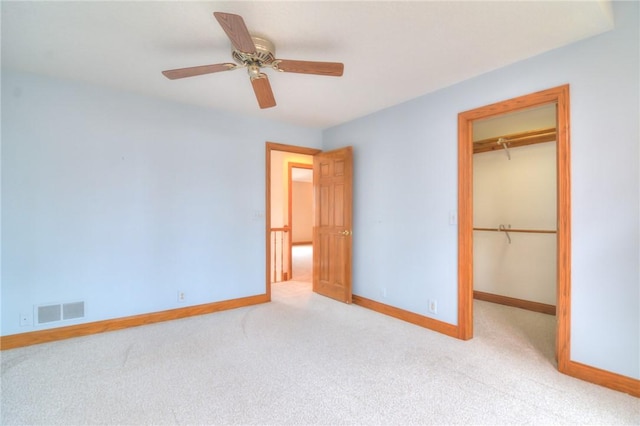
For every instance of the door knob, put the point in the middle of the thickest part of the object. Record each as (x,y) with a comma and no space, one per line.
(346,233)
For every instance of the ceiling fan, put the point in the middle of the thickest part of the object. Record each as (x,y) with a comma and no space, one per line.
(255,53)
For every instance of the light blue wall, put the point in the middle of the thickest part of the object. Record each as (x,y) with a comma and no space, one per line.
(121,200)
(406,185)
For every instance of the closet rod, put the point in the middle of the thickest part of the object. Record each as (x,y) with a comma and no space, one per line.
(530,231)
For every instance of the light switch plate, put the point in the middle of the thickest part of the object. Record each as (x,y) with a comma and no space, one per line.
(453,218)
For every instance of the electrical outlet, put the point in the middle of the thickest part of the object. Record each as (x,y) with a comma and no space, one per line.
(384,292)
(182,296)
(26,319)
(433,306)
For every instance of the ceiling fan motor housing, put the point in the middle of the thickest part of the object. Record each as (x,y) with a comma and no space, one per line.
(264,56)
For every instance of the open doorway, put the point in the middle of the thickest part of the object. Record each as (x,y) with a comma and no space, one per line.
(332,213)
(559,99)
(280,162)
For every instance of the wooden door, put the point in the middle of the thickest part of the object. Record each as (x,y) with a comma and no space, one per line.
(332,233)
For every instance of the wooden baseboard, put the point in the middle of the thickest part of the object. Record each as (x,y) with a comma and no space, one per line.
(302,243)
(413,318)
(50,335)
(516,303)
(604,378)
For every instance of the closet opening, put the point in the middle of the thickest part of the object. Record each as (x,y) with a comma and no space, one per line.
(514,209)
(514,229)
(505,228)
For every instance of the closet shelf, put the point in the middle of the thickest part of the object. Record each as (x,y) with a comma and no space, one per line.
(515,140)
(530,231)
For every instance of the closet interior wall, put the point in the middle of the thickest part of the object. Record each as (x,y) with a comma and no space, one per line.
(520,194)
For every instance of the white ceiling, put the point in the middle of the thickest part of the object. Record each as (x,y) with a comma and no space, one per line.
(392,51)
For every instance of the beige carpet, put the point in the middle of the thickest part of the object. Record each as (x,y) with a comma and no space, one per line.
(305,359)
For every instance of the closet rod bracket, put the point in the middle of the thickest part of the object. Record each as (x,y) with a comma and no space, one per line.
(505,144)
(506,231)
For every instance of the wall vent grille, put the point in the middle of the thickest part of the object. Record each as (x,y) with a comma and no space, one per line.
(49,313)
(60,311)
(72,310)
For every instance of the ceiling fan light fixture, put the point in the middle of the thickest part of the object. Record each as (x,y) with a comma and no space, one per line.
(254,71)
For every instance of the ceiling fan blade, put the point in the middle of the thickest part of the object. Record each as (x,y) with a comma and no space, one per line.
(236,30)
(193,71)
(334,69)
(262,89)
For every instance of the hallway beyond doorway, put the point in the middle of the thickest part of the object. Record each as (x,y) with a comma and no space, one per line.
(302,262)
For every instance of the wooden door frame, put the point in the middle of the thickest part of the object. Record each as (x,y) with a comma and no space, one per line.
(293,165)
(272,146)
(560,96)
